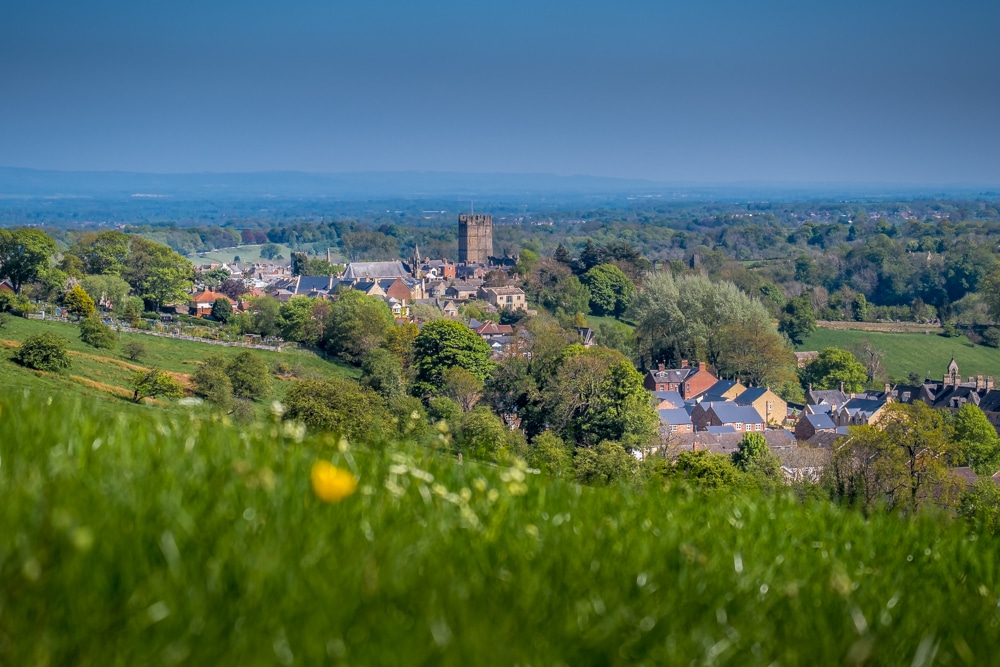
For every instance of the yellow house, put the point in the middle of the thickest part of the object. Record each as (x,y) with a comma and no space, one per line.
(768,405)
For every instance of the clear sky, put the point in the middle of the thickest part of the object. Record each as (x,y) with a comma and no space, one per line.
(894,91)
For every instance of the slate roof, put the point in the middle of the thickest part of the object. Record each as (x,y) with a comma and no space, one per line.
(751,395)
(820,421)
(834,396)
(674,416)
(865,406)
(716,391)
(671,374)
(375,270)
(673,396)
(719,430)
(318,283)
(731,413)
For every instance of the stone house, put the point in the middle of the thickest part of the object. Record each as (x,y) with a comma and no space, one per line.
(768,405)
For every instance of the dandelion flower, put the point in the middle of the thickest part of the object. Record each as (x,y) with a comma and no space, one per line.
(330,483)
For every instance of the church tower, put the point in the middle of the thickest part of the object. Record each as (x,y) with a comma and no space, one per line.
(475,239)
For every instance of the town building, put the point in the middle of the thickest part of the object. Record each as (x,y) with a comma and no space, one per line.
(475,239)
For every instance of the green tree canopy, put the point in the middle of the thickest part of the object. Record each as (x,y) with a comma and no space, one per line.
(157,273)
(336,405)
(611,291)
(96,333)
(107,288)
(249,375)
(832,367)
(24,255)
(382,372)
(103,253)
(976,440)
(444,344)
(79,303)
(798,319)
(154,382)
(357,323)
(222,310)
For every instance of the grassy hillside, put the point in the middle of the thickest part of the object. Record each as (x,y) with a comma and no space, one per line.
(175,539)
(246,253)
(920,353)
(104,374)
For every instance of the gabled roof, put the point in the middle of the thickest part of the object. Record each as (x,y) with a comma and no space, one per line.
(751,395)
(719,430)
(671,375)
(820,421)
(490,328)
(834,396)
(208,296)
(674,416)
(674,397)
(730,413)
(865,406)
(716,391)
(375,270)
(317,283)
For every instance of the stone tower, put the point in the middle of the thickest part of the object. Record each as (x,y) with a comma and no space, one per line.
(475,239)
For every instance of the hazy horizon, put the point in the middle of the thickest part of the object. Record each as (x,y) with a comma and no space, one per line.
(721,93)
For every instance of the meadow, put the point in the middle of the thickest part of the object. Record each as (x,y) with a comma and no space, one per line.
(172,538)
(104,375)
(246,253)
(913,352)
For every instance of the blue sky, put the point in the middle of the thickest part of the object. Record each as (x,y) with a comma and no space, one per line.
(713,91)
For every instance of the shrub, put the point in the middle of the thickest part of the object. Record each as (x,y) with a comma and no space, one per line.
(134,350)
(154,382)
(249,375)
(4,319)
(337,405)
(96,333)
(222,310)
(43,352)
(79,303)
(213,383)
(991,337)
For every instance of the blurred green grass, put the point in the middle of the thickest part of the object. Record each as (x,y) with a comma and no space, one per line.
(170,538)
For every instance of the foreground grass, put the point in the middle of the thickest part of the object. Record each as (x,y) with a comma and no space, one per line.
(912,352)
(175,539)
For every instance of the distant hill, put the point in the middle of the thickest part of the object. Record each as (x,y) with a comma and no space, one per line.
(109,185)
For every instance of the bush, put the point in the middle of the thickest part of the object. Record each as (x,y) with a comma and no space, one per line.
(154,382)
(4,319)
(43,352)
(79,303)
(134,350)
(991,337)
(249,375)
(213,383)
(96,333)
(336,405)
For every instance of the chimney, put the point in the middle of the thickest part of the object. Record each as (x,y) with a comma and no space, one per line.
(660,367)
(989,383)
(841,387)
(887,388)
(684,363)
(980,382)
(701,365)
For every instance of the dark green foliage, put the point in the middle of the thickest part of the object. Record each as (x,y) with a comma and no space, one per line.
(797,319)
(442,408)
(134,350)
(382,373)
(96,333)
(157,273)
(832,367)
(249,375)
(222,310)
(24,255)
(213,383)
(991,337)
(483,436)
(611,291)
(444,344)
(608,463)
(707,470)
(153,383)
(357,323)
(336,405)
(43,352)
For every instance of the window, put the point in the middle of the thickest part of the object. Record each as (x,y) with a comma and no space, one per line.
(738,426)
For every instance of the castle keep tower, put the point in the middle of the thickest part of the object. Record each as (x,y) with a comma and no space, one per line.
(475,239)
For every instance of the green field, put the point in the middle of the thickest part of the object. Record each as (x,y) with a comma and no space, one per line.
(104,374)
(919,353)
(168,539)
(246,253)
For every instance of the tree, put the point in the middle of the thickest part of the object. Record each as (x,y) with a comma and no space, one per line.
(357,323)
(212,382)
(108,289)
(157,273)
(96,333)
(832,367)
(798,319)
(301,319)
(4,319)
(153,383)
(269,251)
(976,440)
(605,464)
(261,317)
(249,375)
(462,387)
(222,310)
(755,353)
(43,352)
(707,470)
(24,254)
(134,350)
(132,310)
(611,291)
(859,306)
(483,436)
(382,372)
(561,255)
(444,344)
(79,303)
(215,277)
(980,507)
(336,405)
(550,454)
(104,253)
(755,458)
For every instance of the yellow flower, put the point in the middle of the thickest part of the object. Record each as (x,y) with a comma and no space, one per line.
(330,483)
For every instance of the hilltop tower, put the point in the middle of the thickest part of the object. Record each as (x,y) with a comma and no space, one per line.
(475,239)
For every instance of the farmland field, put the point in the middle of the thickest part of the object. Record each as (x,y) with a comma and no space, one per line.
(912,352)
